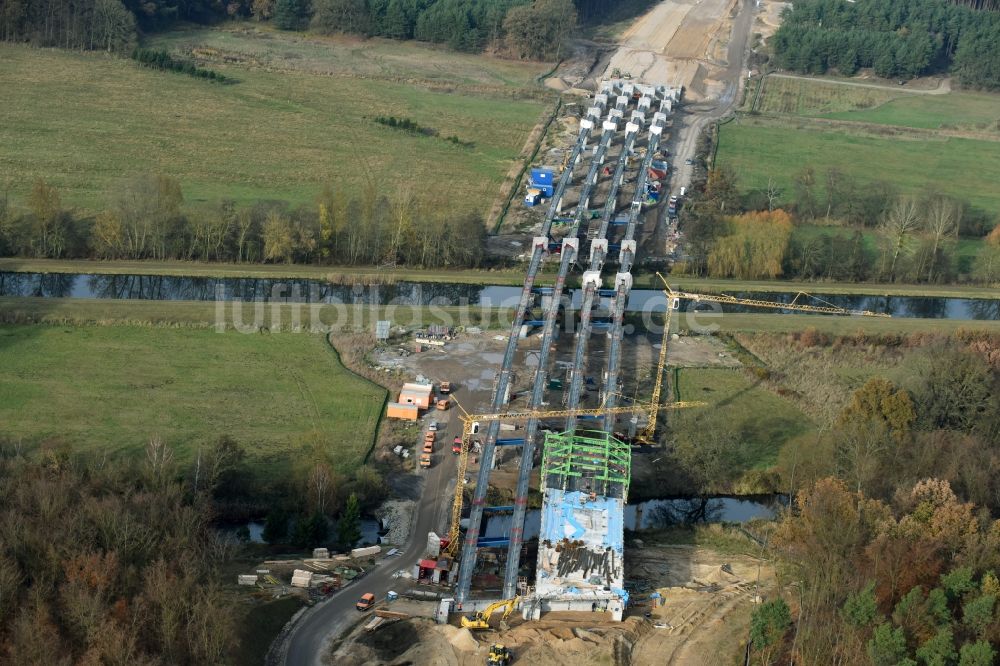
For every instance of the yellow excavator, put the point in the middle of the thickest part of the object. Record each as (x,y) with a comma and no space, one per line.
(481,620)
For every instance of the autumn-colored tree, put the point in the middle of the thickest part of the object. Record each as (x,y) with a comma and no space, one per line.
(754,248)
(880,400)
(278,238)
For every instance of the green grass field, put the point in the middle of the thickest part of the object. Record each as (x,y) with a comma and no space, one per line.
(85,121)
(890,137)
(763,420)
(800,97)
(974,112)
(979,112)
(111,388)
(771,147)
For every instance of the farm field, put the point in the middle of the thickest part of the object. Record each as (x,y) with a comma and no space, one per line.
(979,112)
(259,46)
(112,388)
(763,420)
(86,121)
(773,147)
(891,136)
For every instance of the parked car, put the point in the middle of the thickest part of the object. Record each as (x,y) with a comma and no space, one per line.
(432,426)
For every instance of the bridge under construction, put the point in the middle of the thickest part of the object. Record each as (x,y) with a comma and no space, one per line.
(585,470)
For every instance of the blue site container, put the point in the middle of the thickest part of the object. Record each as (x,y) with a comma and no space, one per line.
(543,176)
(547,190)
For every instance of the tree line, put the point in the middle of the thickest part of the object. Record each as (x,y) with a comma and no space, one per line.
(835,228)
(896,38)
(145,219)
(908,580)
(522,28)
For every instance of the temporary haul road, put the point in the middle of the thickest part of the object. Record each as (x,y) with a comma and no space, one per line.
(308,640)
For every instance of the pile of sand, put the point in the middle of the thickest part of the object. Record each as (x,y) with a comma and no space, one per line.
(460,638)
(556,83)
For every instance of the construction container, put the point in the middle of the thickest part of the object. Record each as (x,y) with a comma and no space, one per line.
(246,579)
(396,410)
(416,394)
(542,180)
(543,176)
(533,197)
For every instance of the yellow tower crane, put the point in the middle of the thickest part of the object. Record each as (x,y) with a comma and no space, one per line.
(472,422)
(647,436)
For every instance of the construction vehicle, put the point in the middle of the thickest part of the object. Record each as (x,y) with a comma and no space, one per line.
(366,601)
(481,619)
(445,388)
(425,460)
(456,446)
(443,404)
(499,655)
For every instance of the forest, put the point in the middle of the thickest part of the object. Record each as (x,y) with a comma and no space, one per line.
(899,39)
(146,219)
(835,229)
(891,546)
(533,29)
(107,563)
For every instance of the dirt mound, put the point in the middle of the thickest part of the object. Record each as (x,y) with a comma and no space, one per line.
(555,83)
(463,641)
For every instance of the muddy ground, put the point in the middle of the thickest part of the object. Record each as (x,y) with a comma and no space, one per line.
(703,620)
(470,362)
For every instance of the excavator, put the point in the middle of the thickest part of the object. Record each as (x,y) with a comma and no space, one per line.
(481,620)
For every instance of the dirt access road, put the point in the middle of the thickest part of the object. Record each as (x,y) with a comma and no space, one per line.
(699,44)
(308,641)
(943,86)
(470,364)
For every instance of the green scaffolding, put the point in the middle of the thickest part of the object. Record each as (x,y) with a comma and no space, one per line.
(570,459)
